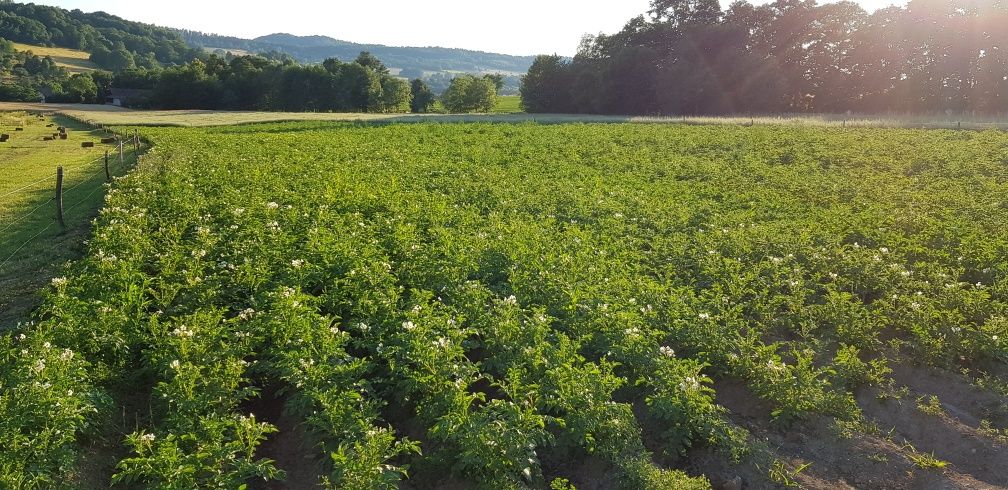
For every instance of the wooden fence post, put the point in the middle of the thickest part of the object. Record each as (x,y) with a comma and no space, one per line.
(108,176)
(59,197)
(120,152)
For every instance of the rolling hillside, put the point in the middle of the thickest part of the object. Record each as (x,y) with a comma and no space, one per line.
(114,42)
(412,60)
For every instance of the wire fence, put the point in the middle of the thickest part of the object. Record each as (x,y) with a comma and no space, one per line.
(26,215)
(31,185)
(27,188)
(89,177)
(25,244)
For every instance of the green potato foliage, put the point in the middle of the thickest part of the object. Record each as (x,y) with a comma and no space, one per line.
(483,300)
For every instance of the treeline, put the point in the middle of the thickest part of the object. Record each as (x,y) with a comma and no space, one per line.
(692,57)
(435,66)
(247,83)
(115,43)
(256,83)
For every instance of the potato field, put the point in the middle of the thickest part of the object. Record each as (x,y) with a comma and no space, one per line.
(480,305)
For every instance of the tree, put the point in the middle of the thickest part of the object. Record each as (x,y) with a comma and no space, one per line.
(685,12)
(80,88)
(120,59)
(423,98)
(469,93)
(396,95)
(546,86)
(188,87)
(360,87)
(630,82)
(10,92)
(497,79)
(369,60)
(332,65)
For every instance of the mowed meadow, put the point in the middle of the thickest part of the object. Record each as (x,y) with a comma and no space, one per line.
(475,305)
(74,60)
(32,244)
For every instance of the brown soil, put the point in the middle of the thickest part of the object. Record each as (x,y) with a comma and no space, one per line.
(291,448)
(882,459)
(101,453)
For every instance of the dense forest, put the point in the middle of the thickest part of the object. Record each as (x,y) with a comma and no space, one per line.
(114,43)
(255,83)
(692,57)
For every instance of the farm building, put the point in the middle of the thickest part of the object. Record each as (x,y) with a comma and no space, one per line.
(127,97)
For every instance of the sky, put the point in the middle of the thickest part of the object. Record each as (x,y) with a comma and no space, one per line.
(518,27)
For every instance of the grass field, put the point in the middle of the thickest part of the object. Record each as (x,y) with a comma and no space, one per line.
(508,104)
(525,305)
(32,246)
(109,115)
(233,51)
(73,60)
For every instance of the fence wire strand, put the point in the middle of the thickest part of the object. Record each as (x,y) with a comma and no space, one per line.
(88,196)
(26,215)
(44,179)
(27,186)
(25,244)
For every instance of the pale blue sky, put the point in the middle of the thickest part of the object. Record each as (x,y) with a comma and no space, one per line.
(515,27)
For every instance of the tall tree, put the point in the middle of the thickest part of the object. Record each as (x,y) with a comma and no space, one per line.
(423,97)
(546,86)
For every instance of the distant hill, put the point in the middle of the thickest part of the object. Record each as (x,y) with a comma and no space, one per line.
(412,60)
(117,44)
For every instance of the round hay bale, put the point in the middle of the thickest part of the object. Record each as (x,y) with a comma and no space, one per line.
(63,136)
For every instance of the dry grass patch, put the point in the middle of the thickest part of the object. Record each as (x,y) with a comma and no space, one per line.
(75,61)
